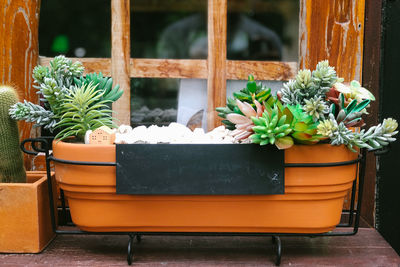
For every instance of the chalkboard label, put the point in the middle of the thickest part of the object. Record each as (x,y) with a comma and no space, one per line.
(194,169)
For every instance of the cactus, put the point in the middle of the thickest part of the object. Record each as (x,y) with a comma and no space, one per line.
(11,160)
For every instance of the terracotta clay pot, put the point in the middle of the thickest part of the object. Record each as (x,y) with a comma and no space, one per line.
(312,202)
(25,224)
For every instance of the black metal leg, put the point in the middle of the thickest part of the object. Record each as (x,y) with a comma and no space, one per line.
(138,238)
(277,245)
(130,249)
(63,206)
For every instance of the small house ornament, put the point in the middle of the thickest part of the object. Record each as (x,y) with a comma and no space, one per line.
(101,136)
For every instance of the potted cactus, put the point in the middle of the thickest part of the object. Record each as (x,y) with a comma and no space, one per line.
(25,218)
(314,119)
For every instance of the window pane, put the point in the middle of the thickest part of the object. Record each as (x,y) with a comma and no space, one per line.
(169,29)
(154,101)
(162,101)
(263,30)
(75,28)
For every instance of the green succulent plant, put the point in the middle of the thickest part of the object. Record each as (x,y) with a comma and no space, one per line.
(53,84)
(252,92)
(103,86)
(307,85)
(313,107)
(83,110)
(375,137)
(58,84)
(271,128)
(33,113)
(243,123)
(11,160)
(351,114)
(316,107)
(303,125)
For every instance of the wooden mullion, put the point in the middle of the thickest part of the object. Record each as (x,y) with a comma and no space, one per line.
(262,70)
(216,83)
(102,65)
(191,68)
(169,68)
(120,57)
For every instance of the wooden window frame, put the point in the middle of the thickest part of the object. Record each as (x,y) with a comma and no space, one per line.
(216,69)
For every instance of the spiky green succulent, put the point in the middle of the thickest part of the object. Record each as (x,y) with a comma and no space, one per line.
(303,80)
(103,86)
(11,159)
(33,113)
(324,77)
(303,125)
(309,85)
(351,114)
(271,128)
(252,92)
(53,83)
(57,85)
(83,110)
(375,137)
(316,107)
(243,123)
(338,133)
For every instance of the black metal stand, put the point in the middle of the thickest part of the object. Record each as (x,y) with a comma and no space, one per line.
(353,219)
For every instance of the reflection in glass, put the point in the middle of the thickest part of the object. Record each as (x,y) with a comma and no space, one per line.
(153,101)
(263,30)
(165,29)
(75,28)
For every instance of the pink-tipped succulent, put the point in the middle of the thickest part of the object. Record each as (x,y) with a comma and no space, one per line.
(243,123)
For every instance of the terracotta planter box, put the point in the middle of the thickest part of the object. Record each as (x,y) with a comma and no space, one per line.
(312,202)
(25,224)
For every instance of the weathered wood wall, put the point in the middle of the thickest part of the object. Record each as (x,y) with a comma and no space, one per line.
(19,25)
(332,30)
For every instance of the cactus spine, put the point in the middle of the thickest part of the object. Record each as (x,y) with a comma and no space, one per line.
(11,160)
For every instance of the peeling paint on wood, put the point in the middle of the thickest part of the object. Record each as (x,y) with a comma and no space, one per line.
(19,22)
(332,30)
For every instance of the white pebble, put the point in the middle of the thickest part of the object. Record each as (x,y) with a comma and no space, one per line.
(175,133)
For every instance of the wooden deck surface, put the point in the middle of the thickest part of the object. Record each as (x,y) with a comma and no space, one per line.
(367,248)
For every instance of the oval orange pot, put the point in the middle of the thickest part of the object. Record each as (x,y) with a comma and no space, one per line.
(312,202)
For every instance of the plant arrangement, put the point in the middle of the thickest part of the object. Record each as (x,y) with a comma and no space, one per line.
(314,107)
(70,102)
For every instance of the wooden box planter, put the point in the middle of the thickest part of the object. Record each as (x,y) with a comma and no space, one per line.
(312,202)
(25,224)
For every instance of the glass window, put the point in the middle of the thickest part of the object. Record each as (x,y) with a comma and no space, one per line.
(75,28)
(162,101)
(161,29)
(153,101)
(263,30)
